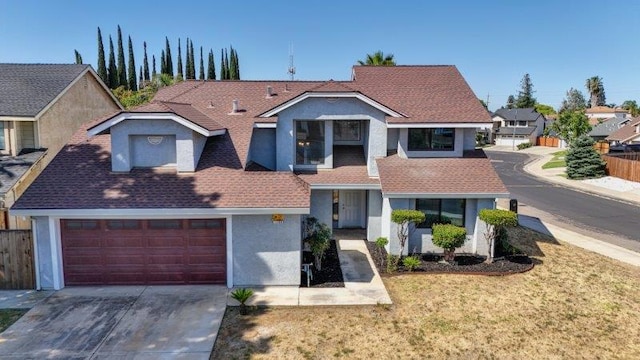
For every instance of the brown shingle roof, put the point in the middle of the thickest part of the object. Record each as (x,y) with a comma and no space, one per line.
(626,132)
(473,175)
(605,109)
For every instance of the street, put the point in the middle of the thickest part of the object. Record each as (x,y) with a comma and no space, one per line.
(604,219)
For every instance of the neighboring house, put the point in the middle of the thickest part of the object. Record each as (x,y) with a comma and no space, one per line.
(517,126)
(602,130)
(41,106)
(598,114)
(209,183)
(627,134)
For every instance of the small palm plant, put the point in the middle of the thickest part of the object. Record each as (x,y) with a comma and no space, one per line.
(242,295)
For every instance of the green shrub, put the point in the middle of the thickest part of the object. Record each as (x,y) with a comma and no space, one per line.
(404,218)
(448,237)
(242,295)
(392,263)
(524,145)
(411,262)
(381,242)
(318,236)
(497,220)
(583,161)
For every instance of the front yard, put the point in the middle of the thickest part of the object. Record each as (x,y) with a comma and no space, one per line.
(573,304)
(557,161)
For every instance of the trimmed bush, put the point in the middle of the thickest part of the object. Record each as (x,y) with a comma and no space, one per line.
(497,220)
(411,263)
(404,218)
(524,145)
(448,237)
(583,161)
(381,242)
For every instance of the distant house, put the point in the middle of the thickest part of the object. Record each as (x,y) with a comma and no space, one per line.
(517,126)
(602,130)
(598,114)
(41,106)
(627,134)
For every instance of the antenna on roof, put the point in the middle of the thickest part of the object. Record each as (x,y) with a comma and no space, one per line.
(292,69)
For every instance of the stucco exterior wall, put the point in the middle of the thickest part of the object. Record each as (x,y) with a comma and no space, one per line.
(187,144)
(469,142)
(393,136)
(263,147)
(145,154)
(265,253)
(322,206)
(374,213)
(85,101)
(458,146)
(335,110)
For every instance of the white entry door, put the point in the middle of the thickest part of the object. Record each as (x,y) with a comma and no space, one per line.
(351,209)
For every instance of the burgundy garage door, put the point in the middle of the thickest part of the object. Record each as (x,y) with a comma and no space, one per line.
(144,252)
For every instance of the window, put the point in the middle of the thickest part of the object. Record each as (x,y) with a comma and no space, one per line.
(511,123)
(441,211)
(165,224)
(81,224)
(309,142)
(433,139)
(2,145)
(522,123)
(346,130)
(206,224)
(123,224)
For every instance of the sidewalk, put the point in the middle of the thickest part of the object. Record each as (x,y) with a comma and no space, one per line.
(610,187)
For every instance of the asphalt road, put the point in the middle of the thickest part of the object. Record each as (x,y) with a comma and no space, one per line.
(602,218)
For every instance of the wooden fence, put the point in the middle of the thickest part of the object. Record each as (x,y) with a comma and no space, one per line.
(16,260)
(624,166)
(547,141)
(602,147)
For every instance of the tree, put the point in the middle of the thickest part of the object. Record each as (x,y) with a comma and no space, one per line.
(405,219)
(545,109)
(192,63)
(211,67)
(153,69)
(132,84)
(570,125)
(448,237)
(145,63)
(180,75)
(224,65)
(583,161)
(497,220)
(484,104)
(141,80)
(378,58)
(525,97)
(511,102)
(632,106)
(168,61)
(102,66)
(122,70)
(595,87)
(163,63)
(78,57)
(318,236)
(201,65)
(232,64)
(113,70)
(573,101)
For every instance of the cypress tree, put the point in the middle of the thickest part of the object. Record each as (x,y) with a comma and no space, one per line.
(192,63)
(179,73)
(169,65)
(227,70)
(232,64)
(141,80)
(187,63)
(153,64)
(235,56)
(222,72)
(163,63)
(122,70)
(78,57)
(211,67)
(145,64)
(102,66)
(132,69)
(113,70)
(201,65)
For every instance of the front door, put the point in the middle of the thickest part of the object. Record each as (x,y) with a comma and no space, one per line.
(351,209)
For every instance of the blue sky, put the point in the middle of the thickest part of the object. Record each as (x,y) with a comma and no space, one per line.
(493,43)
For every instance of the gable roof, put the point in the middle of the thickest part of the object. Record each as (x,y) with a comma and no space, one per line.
(605,109)
(27,89)
(524,114)
(625,132)
(608,126)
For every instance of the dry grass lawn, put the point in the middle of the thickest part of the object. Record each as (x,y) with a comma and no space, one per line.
(573,304)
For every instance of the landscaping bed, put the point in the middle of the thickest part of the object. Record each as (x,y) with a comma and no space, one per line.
(503,263)
(331,273)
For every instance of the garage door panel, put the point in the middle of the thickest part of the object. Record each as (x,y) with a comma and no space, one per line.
(131,252)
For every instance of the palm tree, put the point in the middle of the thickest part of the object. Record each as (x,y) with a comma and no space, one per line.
(595,88)
(378,59)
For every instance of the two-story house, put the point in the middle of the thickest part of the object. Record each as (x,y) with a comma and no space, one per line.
(41,107)
(517,126)
(209,183)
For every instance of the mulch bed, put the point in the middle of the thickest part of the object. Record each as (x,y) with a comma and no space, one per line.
(331,273)
(503,264)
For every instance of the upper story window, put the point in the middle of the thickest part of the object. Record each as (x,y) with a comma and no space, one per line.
(519,123)
(346,130)
(431,139)
(310,138)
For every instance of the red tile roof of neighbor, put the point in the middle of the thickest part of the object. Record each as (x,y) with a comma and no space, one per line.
(80,176)
(468,175)
(626,132)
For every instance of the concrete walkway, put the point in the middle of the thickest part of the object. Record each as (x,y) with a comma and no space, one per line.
(22,299)
(542,155)
(362,284)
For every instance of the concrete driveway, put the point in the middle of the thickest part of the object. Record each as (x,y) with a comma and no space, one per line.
(120,322)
